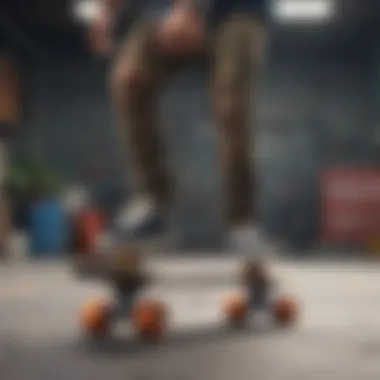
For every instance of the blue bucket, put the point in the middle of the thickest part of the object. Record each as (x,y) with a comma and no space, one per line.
(48,228)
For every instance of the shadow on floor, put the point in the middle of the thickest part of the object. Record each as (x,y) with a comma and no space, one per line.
(203,336)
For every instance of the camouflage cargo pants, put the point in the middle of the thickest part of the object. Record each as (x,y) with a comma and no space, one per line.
(234,51)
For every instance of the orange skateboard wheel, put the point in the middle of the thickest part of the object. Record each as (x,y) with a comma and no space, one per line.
(95,317)
(236,309)
(149,319)
(285,311)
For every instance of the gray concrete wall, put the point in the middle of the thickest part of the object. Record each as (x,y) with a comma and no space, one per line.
(313,111)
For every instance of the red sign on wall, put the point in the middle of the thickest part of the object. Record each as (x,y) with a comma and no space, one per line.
(351,205)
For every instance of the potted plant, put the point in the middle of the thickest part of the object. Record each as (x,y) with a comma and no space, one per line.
(35,189)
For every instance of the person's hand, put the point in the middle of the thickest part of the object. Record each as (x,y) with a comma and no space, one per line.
(182,31)
(100,35)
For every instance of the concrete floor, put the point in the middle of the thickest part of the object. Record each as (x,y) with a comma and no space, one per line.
(337,338)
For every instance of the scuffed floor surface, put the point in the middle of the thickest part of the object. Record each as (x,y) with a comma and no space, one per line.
(338,336)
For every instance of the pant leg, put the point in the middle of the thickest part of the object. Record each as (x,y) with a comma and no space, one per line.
(237,55)
(138,73)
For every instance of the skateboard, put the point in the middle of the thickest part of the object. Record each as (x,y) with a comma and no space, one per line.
(128,275)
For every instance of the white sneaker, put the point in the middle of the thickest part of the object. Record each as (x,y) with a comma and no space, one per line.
(140,221)
(135,212)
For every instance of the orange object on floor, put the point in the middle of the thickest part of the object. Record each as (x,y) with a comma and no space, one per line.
(149,319)
(95,317)
(91,224)
(285,311)
(236,308)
